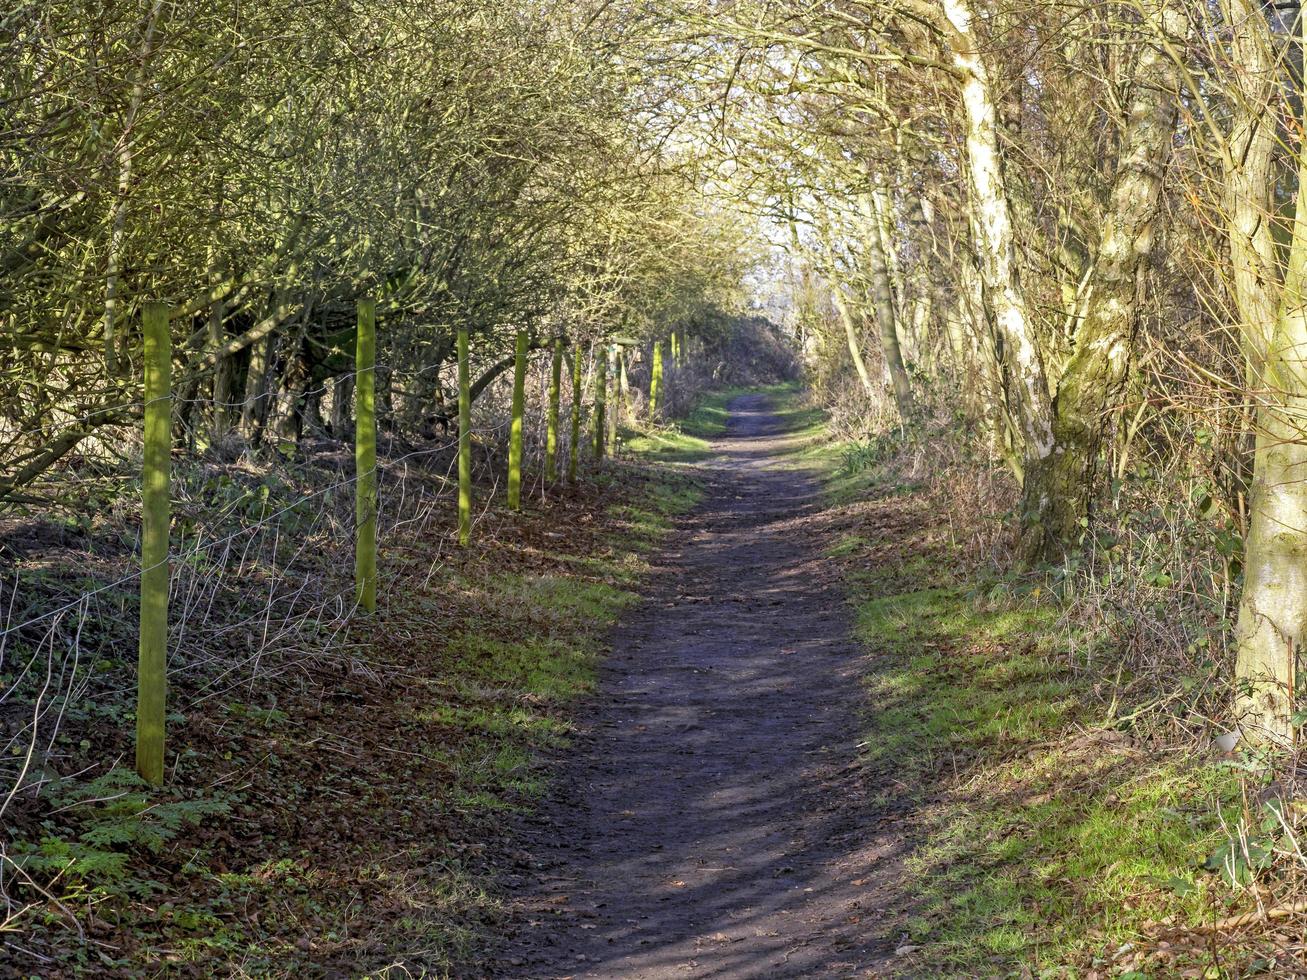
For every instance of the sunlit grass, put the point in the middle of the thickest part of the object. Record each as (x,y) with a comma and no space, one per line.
(1042,837)
(1046,837)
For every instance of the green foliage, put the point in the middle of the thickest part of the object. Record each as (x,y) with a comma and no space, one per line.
(1239,858)
(109,818)
(688,440)
(858,457)
(1058,837)
(483,165)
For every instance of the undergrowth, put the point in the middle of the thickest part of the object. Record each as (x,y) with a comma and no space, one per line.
(686,440)
(1060,829)
(344,815)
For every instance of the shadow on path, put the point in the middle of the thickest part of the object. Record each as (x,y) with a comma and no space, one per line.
(710,822)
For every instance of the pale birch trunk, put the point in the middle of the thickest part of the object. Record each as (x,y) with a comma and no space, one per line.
(882,297)
(854,341)
(1026,387)
(1249,184)
(1273,607)
(925,285)
(1250,181)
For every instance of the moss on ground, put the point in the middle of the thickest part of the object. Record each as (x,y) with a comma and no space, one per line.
(357,793)
(689,440)
(686,440)
(1045,837)
(1050,839)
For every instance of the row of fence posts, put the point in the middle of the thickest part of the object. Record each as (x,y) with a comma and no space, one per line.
(156,469)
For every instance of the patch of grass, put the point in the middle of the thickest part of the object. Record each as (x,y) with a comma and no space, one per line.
(510,687)
(1045,838)
(506,723)
(646,524)
(363,797)
(953,693)
(564,599)
(687,440)
(671,497)
(805,424)
(543,667)
(851,470)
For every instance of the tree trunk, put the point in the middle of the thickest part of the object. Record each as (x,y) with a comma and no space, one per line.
(551,417)
(254,412)
(1026,387)
(365,459)
(1059,487)
(615,402)
(1249,184)
(624,388)
(601,401)
(574,444)
(1250,181)
(515,424)
(882,297)
(1273,607)
(152,673)
(125,159)
(655,379)
(464,439)
(854,341)
(295,384)
(224,382)
(342,395)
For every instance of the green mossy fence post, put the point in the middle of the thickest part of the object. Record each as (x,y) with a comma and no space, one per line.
(464,441)
(624,388)
(152,665)
(601,400)
(613,371)
(515,428)
(365,457)
(551,423)
(656,379)
(574,448)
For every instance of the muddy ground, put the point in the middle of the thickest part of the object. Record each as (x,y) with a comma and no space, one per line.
(712,820)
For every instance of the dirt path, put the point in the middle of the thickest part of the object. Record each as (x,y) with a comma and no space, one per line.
(711,823)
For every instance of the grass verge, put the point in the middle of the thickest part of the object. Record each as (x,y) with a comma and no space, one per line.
(1051,837)
(345,816)
(688,440)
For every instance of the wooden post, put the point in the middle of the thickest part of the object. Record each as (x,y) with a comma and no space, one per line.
(515,427)
(464,441)
(656,379)
(365,457)
(601,400)
(152,665)
(624,387)
(551,420)
(574,448)
(617,401)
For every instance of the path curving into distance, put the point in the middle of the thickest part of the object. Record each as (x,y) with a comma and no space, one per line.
(708,822)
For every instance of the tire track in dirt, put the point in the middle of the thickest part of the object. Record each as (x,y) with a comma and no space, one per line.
(710,821)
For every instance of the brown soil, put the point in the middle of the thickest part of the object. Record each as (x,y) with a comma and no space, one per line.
(712,820)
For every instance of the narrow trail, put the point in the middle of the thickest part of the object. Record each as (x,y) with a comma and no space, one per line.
(710,822)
